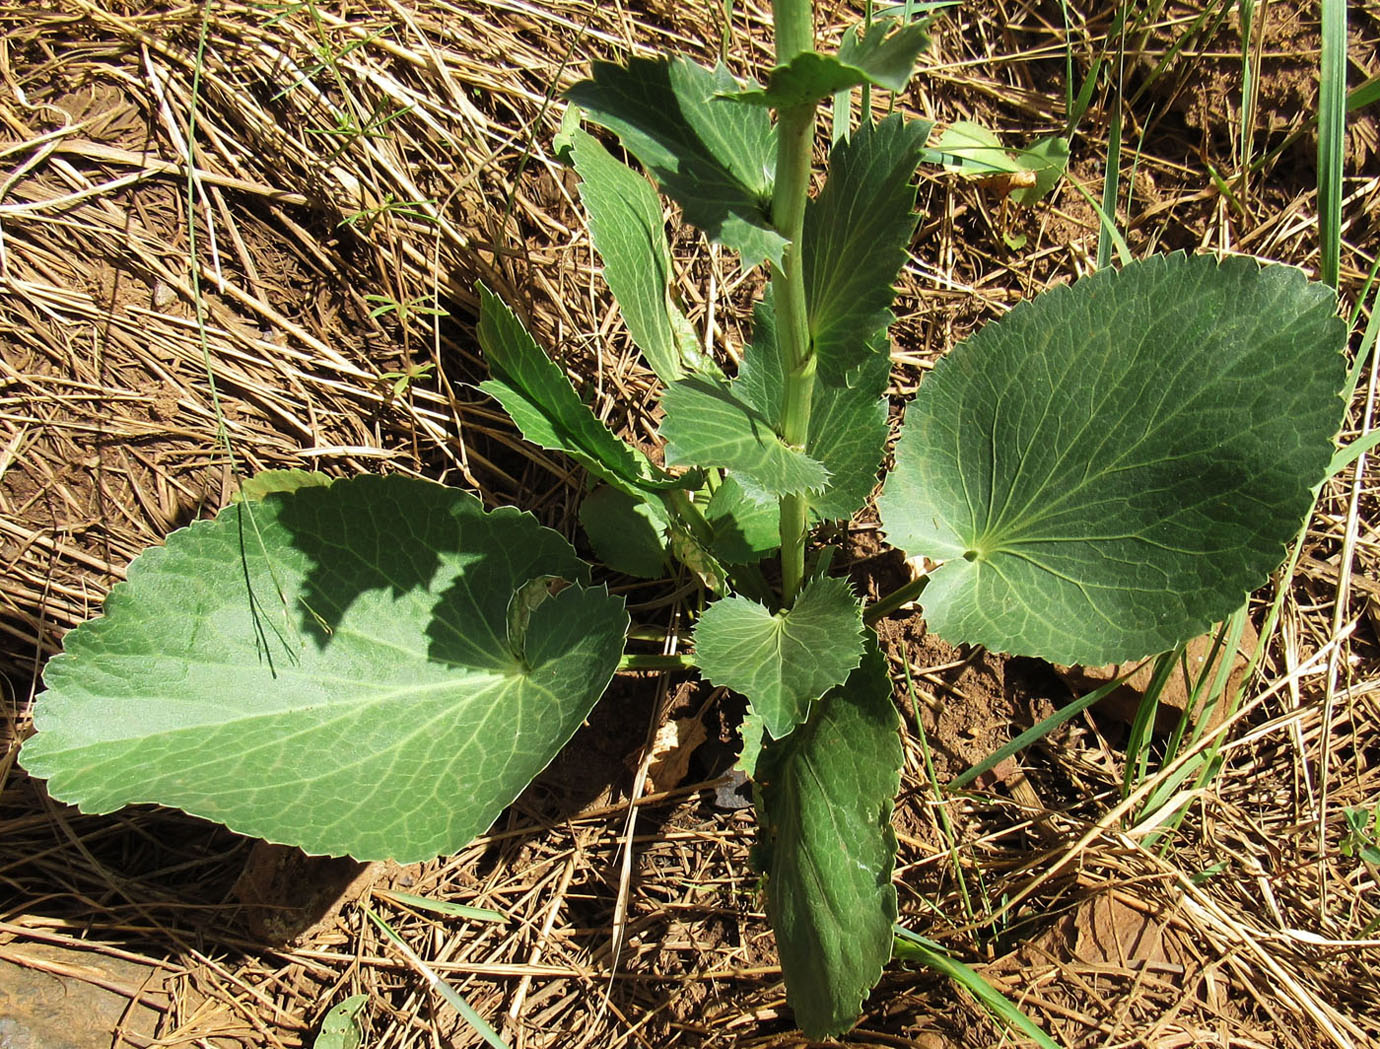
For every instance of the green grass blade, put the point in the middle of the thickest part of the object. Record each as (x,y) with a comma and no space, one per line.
(1331,137)
(1107,221)
(1348,454)
(941,811)
(1032,735)
(1142,727)
(445,907)
(1250,81)
(912,948)
(1108,236)
(452,997)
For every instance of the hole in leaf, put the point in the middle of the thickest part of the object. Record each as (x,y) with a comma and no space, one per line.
(970,555)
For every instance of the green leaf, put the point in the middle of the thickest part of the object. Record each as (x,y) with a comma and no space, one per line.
(563,141)
(824,801)
(917,949)
(707,424)
(625,533)
(331,669)
(886,57)
(754,734)
(880,56)
(784,662)
(540,400)
(972,150)
(1048,159)
(745,529)
(266,482)
(340,1028)
(848,432)
(856,234)
(626,223)
(1109,468)
(848,420)
(715,157)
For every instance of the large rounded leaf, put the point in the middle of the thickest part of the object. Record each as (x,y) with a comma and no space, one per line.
(1113,466)
(371,668)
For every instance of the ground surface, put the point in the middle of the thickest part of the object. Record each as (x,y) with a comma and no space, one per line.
(126,286)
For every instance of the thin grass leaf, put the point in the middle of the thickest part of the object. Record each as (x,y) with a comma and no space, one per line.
(941,811)
(452,910)
(1331,137)
(1107,222)
(1107,234)
(1142,726)
(1249,80)
(912,948)
(452,997)
(1347,455)
(1363,94)
(1036,733)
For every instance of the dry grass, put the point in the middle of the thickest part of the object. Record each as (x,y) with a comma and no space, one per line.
(172,317)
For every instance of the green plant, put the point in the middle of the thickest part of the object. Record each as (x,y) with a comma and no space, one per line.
(378,666)
(1362,834)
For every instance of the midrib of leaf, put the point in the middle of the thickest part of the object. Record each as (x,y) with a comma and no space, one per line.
(274,742)
(358,698)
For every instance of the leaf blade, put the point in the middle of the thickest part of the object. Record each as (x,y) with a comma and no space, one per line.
(825,795)
(715,157)
(625,222)
(539,398)
(856,235)
(1106,471)
(707,424)
(848,420)
(347,714)
(784,662)
(884,55)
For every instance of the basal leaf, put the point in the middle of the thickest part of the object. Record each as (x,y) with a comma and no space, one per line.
(856,234)
(715,157)
(625,222)
(539,398)
(879,56)
(824,801)
(625,532)
(784,662)
(331,669)
(1110,468)
(706,424)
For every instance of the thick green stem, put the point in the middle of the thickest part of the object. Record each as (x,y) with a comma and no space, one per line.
(794,25)
(795,141)
(652,661)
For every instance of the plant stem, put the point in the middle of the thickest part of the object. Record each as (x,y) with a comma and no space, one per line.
(652,661)
(794,23)
(678,502)
(794,26)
